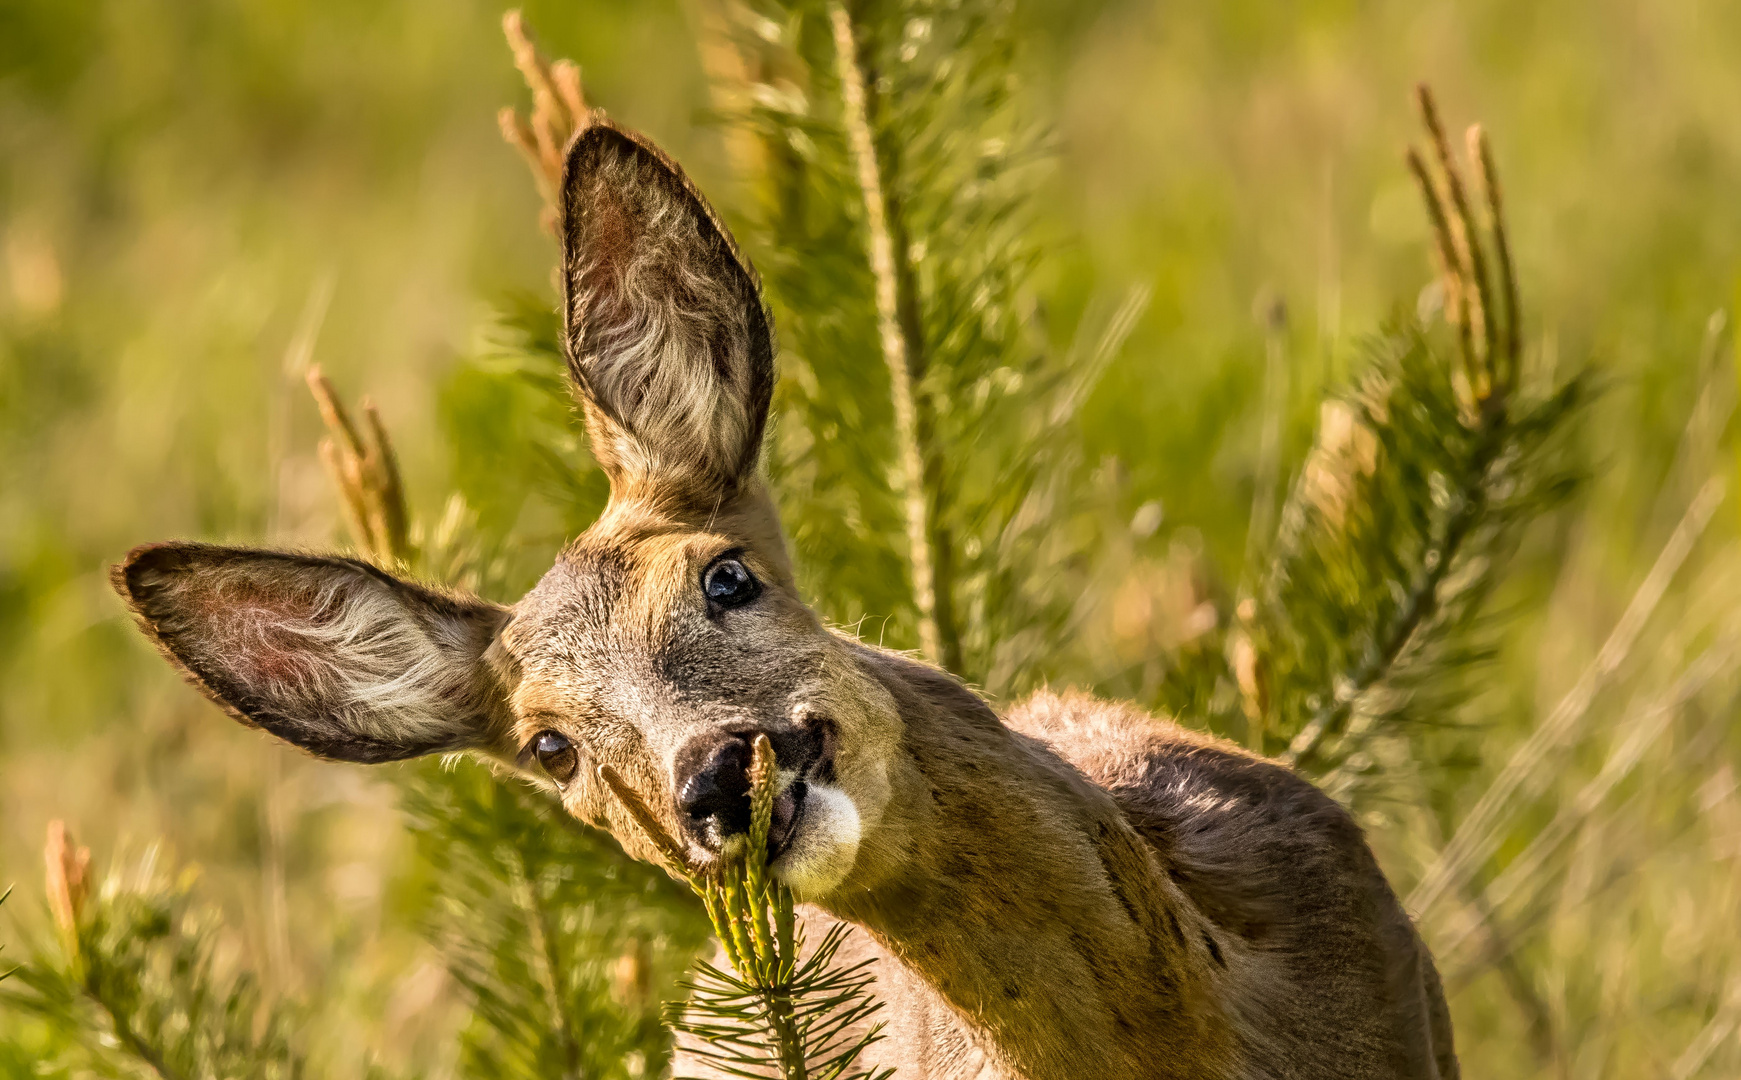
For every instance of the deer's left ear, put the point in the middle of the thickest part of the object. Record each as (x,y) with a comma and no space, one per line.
(665,331)
(330,654)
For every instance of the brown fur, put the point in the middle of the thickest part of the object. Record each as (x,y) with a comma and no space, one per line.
(1075,890)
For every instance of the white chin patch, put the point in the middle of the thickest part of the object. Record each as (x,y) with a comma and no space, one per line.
(825,845)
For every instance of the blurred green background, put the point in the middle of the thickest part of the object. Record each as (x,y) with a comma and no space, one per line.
(196,196)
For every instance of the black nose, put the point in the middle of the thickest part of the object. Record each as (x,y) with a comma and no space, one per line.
(712,774)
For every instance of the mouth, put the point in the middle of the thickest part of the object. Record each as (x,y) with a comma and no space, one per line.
(717,831)
(791,803)
(788,813)
(717,798)
(814,826)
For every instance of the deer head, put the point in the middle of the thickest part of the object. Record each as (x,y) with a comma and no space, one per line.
(662,641)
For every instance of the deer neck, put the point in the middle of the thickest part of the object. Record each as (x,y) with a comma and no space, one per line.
(1019,893)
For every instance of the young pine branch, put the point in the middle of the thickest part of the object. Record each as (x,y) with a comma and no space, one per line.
(903,347)
(1397,528)
(365,471)
(1484,386)
(776,1012)
(893,167)
(563,945)
(135,983)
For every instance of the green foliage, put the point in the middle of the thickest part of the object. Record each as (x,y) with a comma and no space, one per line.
(138,987)
(1004,480)
(735,1020)
(1375,603)
(1371,617)
(518,455)
(1403,515)
(565,946)
(781,1011)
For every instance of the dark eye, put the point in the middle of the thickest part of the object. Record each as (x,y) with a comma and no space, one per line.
(729,583)
(556,755)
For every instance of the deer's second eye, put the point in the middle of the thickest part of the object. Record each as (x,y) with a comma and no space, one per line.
(556,756)
(729,583)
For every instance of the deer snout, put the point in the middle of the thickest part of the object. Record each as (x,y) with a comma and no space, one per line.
(711,776)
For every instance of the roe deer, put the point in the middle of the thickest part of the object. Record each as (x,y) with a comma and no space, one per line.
(1075,889)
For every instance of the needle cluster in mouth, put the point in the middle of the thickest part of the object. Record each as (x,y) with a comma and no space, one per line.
(716,798)
(717,828)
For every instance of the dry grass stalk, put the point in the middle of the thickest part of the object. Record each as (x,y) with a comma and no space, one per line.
(1637,734)
(1249,673)
(1346,455)
(363,466)
(559,110)
(1711,1037)
(661,840)
(1479,833)
(1273,314)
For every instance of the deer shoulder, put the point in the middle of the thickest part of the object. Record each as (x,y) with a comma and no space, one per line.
(1319,965)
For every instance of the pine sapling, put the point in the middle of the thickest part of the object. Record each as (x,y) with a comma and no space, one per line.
(776,1012)
(1401,519)
(135,982)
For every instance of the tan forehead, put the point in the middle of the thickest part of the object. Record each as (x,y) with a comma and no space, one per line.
(654,566)
(610,596)
(615,582)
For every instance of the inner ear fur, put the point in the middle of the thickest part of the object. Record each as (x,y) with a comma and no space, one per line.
(664,328)
(330,654)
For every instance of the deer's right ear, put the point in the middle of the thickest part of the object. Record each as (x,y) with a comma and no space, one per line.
(330,654)
(665,331)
